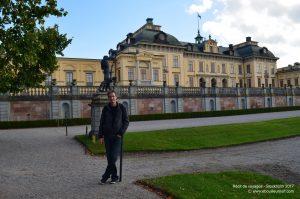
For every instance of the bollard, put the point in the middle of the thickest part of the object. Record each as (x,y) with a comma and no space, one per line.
(66,123)
(94,139)
(121,159)
(86,131)
(66,128)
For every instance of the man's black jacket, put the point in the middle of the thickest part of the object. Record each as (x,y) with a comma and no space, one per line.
(111,128)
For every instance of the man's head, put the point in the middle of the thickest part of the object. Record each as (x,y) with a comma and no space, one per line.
(112,97)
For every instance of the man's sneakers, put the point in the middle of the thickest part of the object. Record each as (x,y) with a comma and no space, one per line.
(113,181)
(102,182)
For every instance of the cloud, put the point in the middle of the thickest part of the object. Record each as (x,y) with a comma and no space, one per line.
(275,24)
(203,6)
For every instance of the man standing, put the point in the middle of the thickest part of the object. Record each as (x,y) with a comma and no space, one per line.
(113,124)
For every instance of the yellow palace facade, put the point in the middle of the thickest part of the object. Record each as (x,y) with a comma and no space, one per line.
(152,57)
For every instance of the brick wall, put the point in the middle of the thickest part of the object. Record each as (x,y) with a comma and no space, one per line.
(149,106)
(192,104)
(228,103)
(29,110)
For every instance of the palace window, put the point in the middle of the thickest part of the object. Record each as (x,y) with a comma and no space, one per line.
(191,81)
(191,66)
(155,75)
(164,62)
(248,69)
(233,83)
(249,83)
(266,82)
(258,69)
(281,83)
(265,70)
(241,83)
(212,67)
(296,82)
(201,69)
(89,79)
(69,77)
(130,74)
(272,71)
(223,68)
(176,78)
(258,82)
(175,61)
(240,70)
(273,82)
(232,69)
(143,74)
(164,77)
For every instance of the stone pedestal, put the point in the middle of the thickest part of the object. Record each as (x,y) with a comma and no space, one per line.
(99,100)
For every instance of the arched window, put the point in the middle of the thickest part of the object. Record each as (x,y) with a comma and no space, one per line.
(269,102)
(224,83)
(213,82)
(66,110)
(243,103)
(173,106)
(290,102)
(212,105)
(202,82)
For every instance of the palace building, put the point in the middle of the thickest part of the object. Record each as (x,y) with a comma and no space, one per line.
(149,56)
(289,76)
(79,71)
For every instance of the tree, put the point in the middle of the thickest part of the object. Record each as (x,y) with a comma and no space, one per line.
(28,48)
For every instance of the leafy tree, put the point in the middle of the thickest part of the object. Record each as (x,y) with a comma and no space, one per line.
(28,48)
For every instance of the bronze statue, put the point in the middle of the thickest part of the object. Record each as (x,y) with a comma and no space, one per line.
(105,84)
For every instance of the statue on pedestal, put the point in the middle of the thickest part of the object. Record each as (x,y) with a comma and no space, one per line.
(105,84)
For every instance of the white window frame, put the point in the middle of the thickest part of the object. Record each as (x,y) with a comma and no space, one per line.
(130,73)
(156,75)
(69,77)
(89,78)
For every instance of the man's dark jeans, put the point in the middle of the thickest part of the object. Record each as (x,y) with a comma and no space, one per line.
(113,147)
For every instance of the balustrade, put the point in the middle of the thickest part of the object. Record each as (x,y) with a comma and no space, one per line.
(152,91)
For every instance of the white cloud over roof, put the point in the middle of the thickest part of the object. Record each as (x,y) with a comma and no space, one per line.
(275,24)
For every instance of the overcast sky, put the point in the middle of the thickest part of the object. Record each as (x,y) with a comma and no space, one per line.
(97,26)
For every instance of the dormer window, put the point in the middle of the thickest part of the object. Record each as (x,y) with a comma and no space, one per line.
(120,47)
(189,47)
(129,38)
(264,50)
(162,37)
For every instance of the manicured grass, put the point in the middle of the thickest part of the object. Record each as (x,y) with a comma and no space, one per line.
(230,184)
(202,137)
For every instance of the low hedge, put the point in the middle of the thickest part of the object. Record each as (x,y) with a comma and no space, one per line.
(184,115)
(161,116)
(44,123)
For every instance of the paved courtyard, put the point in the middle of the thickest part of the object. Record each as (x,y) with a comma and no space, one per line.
(44,163)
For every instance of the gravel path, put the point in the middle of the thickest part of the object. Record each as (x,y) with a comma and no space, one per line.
(44,163)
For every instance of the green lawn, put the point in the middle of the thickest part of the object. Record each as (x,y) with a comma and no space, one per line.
(202,137)
(231,184)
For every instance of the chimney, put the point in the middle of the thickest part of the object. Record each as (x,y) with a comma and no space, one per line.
(149,20)
(230,46)
(248,39)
